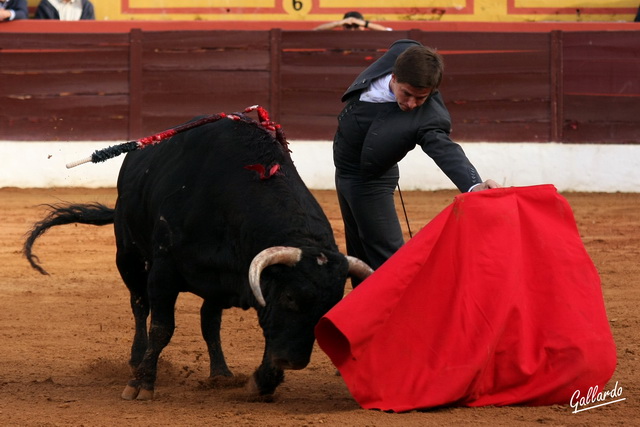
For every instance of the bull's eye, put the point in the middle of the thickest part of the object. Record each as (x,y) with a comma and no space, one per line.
(322,259)
(289,301)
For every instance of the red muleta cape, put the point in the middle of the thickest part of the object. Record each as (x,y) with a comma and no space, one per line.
(494,302)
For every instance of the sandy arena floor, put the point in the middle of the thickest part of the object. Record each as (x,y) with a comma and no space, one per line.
(65,338)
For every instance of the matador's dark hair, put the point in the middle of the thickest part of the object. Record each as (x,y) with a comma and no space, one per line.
(419,66)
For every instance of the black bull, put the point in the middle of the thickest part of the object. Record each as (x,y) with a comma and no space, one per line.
(219,211)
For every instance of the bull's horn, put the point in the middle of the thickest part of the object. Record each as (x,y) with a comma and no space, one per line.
(358,268)
(274,255)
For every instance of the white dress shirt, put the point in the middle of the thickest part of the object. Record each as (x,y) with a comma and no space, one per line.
(69,10)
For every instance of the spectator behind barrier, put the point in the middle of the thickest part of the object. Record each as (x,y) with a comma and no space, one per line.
(352,21)
(13,9)
(65,10)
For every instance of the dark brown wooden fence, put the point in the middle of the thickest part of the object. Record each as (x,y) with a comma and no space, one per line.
(556,86)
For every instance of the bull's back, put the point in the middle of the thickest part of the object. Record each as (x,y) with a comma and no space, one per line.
(228,181)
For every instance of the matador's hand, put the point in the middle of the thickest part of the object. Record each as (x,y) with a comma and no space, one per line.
(486,185)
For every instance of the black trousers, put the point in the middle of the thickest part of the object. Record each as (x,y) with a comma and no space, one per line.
(371,225)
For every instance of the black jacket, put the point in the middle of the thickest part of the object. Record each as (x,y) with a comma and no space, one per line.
(19,7)
(47,11)
(391,133)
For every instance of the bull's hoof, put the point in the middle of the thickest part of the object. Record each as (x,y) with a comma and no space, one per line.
(130,392)
(145,394)
(253,392)
(136,393)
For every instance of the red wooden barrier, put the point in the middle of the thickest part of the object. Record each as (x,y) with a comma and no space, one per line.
(533,86)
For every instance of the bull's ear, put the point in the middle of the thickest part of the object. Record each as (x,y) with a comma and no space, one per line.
(322,259)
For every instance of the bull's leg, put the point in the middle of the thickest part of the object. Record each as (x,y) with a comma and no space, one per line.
(163,289)
(140,308)
(134,275)
(210,323)
(265,379)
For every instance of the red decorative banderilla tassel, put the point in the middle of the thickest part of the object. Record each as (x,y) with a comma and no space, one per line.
(262,171)
(116,150)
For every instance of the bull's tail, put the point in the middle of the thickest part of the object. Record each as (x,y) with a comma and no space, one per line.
(92,213)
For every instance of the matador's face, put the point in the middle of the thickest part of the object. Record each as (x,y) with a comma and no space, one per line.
(408,97)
